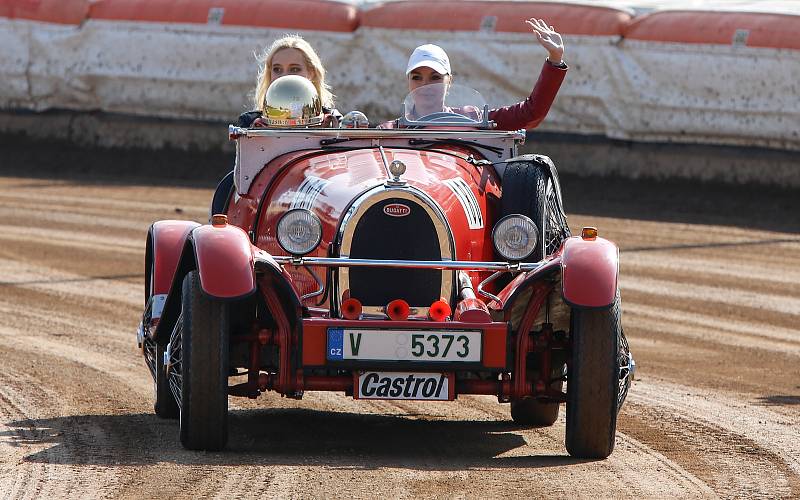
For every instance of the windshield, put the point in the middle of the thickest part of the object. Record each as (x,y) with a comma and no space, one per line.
(442,104)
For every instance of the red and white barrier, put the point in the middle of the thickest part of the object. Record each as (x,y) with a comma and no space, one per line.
(716,77)
(491,49)
(175,59)
(35,38)
(67,12)
(195,59)
(701,76)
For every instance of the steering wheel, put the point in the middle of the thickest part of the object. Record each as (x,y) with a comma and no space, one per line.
(445,116)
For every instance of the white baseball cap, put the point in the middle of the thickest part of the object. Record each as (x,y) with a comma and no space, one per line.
(431,56)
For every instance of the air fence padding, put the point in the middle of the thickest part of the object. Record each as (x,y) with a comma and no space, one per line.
(700,76)
(713,77)
(181,59)
(493,50)
(36,39)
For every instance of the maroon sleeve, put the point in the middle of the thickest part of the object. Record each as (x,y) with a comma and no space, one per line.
(529,113)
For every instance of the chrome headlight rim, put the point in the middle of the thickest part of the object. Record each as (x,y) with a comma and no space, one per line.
(282,234)
(502,224)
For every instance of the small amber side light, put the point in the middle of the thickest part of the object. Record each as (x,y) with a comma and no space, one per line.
(219,220)
(589,233)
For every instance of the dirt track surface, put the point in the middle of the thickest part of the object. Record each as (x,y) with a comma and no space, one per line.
(711,308)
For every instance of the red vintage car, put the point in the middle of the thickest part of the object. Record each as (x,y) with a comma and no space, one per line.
(418,263)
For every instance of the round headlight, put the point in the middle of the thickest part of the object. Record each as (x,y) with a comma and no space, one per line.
(514,237)
(299,231)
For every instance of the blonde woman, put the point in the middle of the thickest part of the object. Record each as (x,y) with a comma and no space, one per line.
(290,55)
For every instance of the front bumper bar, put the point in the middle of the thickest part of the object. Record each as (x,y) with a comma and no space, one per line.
(417,264)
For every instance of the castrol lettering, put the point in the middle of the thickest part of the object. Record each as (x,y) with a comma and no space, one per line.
(394,385)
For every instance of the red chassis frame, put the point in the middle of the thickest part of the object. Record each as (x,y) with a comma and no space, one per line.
(235,268)
(308,340)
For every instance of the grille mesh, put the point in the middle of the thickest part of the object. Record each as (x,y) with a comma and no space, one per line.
(409,237)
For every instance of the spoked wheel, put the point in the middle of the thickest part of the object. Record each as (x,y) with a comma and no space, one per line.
(556,229)
(627,367)
(174,365)
(198,372)
(165,405)
(593,382)
(530,190)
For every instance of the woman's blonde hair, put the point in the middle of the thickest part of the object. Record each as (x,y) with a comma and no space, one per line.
(312,61)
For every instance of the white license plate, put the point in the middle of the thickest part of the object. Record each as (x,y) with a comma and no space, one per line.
(403,345)
(404,385)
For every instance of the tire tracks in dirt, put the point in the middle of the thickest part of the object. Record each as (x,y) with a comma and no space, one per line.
(47,468)
(83,423)
(755,454)
(18,479)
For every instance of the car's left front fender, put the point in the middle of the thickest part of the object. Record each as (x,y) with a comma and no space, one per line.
(224,258)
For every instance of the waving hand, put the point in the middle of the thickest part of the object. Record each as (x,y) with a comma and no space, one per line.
(548,38)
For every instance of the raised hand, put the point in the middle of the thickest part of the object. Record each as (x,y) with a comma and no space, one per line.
(548,38)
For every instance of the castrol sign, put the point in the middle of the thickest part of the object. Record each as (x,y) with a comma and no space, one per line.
(404,385)
(396,210)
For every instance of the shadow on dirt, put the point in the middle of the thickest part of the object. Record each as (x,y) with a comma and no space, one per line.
(65,162)
(283,437)
(779,400)
(683,201)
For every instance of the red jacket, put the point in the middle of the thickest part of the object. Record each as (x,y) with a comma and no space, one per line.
(529,113)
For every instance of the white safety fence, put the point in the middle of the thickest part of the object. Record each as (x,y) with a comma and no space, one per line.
(705,93)
(627,89)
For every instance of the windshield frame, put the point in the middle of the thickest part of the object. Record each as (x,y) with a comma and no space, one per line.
(447,105)
(463,122)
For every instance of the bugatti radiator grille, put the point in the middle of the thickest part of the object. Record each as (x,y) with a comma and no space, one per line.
(395,224)
(395,229)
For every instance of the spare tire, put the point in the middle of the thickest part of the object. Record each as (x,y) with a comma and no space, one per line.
(530,187)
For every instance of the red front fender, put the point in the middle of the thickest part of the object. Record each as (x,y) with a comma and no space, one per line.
(589,272)
(224,259)
(165,241)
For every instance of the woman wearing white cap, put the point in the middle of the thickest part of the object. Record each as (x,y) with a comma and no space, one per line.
(429,64)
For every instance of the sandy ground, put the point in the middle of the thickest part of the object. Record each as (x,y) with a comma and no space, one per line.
(711,306)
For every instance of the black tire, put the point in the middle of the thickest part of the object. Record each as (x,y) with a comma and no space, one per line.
(204,368)
(535,413)
(528,189)
(593,382)
(222,195)
(165,404)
